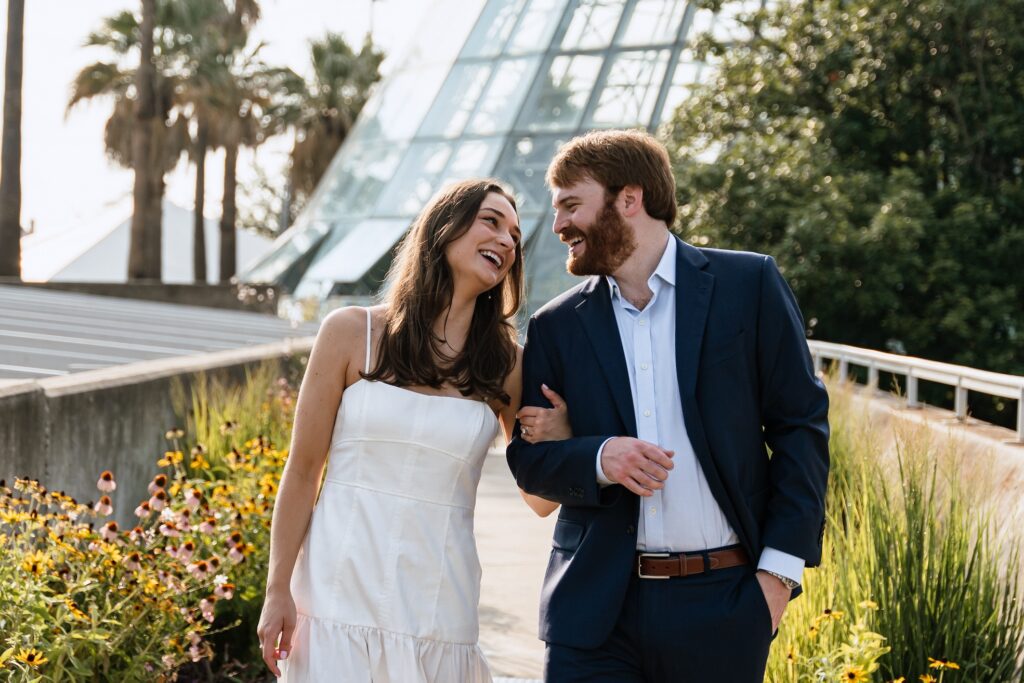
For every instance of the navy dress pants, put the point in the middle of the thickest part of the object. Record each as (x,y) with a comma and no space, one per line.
(708,627)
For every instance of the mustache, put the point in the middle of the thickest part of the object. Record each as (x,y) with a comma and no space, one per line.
(569,233)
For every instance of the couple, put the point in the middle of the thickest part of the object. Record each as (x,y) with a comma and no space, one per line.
(689,457)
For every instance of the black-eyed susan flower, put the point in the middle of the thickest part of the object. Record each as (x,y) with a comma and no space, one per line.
(74,610)
(941,664)
(854,674)
(901,679)
(170,458)
(31,657)
(199,463)
(36,563)
(832,614)
(928,678)
(106,482)
(868,604)
(228,427)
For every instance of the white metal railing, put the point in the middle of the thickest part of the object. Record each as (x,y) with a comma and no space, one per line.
(962,379)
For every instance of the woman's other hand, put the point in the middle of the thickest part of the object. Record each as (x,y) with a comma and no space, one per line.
(277,624)
(545,424)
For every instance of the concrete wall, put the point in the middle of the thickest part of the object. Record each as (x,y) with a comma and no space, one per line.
(66,430)
(241,297)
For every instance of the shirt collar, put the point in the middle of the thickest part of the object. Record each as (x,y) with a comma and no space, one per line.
(665,272)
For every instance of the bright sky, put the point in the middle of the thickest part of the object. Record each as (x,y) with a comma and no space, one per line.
(70,191)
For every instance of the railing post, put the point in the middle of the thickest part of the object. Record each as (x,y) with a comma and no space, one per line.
(844,367)
(817,363)
(960,401)
(873,375)
(1020,416)
(911,389)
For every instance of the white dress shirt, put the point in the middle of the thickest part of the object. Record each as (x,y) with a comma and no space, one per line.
(683,516)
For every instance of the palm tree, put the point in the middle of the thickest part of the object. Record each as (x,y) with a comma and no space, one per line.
(10,181)
(149,133)
(329,105)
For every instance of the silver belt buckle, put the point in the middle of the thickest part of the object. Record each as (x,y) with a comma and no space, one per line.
(639,565)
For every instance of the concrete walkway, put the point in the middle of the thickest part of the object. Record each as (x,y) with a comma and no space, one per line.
(514,545)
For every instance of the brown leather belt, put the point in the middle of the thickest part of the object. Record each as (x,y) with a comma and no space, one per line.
(668,565)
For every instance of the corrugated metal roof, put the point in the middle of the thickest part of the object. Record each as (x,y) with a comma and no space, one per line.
(48,333)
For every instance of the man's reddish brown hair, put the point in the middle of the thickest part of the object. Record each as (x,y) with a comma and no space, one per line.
(615,159)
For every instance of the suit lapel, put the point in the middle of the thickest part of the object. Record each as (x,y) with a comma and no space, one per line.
(693,299)
(598,318)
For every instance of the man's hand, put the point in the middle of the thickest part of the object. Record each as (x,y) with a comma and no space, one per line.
(638,465)
(775,594)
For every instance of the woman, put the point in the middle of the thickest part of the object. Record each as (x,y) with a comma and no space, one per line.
(381,582)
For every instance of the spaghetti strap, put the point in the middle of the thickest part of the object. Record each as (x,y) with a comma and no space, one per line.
(368,337)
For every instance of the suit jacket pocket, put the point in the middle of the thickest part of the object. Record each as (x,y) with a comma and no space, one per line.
(568,535)
(716,352)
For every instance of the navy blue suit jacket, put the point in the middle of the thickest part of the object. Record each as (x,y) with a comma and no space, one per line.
(748,387)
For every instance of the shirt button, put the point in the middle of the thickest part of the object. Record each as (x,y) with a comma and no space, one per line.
(642,322)
(653,510)
(630,529)
(644,366)
(647,413)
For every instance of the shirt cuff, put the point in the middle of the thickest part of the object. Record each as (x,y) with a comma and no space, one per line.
(601,479)
(790,566)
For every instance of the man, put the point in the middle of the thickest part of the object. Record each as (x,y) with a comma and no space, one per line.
(680,539)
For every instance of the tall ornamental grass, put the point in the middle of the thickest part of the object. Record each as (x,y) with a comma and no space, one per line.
(913,585)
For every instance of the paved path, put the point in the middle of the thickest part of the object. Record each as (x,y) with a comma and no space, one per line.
(514,546)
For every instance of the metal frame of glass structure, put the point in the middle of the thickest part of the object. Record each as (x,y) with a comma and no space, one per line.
(492,89)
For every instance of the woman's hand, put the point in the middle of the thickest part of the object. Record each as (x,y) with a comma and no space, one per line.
(545,424)
(276,621)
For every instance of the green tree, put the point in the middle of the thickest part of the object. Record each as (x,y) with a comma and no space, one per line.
(875,148)
(10,171)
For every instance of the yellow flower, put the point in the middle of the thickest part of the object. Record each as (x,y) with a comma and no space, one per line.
(32,657)
(868,604)
(829,613)
(75,612)
(928,678)
(813,631)
(36,563)
(942,664)
(898,680)
(854,673)
(170,458)
(3,539)
(199,463)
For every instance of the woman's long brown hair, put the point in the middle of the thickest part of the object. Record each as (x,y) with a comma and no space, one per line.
(421,291)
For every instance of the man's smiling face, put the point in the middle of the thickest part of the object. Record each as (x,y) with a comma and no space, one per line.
(589,223)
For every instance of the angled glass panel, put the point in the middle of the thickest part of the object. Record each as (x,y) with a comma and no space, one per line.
(536,27)
(355,180)
(395,110)
(493,28)
(441,33)
(523,165)
(686,76)
(593,24)
(500,103)
(631,89)
(473,159)
(546,276)
(287,249)
(349,258)
(654,22)
(559,99)
(456,100)
(415,180)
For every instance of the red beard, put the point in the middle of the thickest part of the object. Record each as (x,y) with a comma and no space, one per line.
(609,242)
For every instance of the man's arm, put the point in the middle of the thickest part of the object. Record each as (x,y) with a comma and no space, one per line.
(562,471)
(794,413)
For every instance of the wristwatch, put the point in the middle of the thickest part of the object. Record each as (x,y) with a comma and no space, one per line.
(786,581)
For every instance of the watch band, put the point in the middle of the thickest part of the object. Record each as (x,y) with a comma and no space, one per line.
(786,581)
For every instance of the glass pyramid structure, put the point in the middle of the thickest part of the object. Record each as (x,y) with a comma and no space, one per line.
(490,88)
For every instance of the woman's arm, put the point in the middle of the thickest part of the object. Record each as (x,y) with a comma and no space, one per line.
(507,415)
(341,335)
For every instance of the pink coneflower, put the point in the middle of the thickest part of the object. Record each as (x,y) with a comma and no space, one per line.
(104,507)
(159,482)
(199,570)
(106,482)
(206,607)
(182,520)
(185,551)
(143,510)
(168,529)
(158,501)
(193,498)
(225,591)
(133,561)
(109,532)
(208,526)
(168,661)
(237,554)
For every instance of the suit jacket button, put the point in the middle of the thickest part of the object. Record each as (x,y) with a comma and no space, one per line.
(630,530)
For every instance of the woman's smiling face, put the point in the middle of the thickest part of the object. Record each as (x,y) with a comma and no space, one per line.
(482,257)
